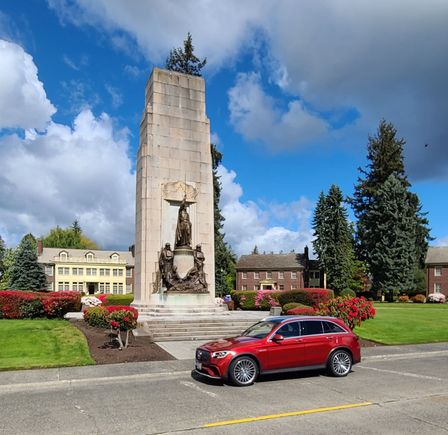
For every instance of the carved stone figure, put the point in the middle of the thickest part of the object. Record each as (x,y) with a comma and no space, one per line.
(166,265)
(183,229)
(199,259)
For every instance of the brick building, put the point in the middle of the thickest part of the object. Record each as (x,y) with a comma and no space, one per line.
(278,272)
(86,270)
(437,270)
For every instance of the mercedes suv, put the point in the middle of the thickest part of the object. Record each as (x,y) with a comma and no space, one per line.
(281,344)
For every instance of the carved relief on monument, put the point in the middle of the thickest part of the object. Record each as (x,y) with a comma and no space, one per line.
(178,191)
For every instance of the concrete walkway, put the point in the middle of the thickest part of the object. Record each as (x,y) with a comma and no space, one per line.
(111,372)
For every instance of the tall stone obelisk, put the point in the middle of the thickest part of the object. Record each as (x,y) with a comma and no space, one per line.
(173,164)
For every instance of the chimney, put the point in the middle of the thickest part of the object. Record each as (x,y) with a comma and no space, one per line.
(305,253)
(132,250)
(40,247)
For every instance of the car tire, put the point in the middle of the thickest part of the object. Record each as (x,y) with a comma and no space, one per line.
(243,371)
(339,363)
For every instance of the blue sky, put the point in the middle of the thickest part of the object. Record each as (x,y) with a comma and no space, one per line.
(293,91)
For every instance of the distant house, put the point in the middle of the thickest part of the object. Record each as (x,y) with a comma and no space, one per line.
(437,270)
(86,270)
(278,272)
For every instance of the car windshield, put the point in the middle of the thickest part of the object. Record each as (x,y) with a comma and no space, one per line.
(260,329)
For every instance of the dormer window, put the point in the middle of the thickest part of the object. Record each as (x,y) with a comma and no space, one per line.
(115,257)
(90,256)
(63,255)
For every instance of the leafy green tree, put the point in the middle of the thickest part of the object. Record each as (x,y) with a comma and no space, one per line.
(385,156)
(9,259)
(224,258)
(333,239)
(26,272)
(2,255)
(184,60)
(392,239)
(71,237)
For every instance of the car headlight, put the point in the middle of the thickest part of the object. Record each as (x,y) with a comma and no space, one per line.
(221,354)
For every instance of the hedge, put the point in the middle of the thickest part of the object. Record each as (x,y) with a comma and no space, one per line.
(110,299)
(18,304)
(307,296)
(247,299)
(100,316)
(292,305)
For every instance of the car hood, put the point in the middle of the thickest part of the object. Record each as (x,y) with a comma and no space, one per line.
(228,343)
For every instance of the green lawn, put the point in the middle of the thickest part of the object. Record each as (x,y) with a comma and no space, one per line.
(396,323)
(26,344)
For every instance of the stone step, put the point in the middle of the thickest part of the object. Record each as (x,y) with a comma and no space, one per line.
(205,325)
(230,329)
(191,338)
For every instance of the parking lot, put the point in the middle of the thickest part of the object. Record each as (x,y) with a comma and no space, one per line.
(394,390)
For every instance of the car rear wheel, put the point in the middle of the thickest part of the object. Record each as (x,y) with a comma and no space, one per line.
(340,363)
(243,371)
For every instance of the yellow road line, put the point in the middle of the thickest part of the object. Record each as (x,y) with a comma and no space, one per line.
(287,414)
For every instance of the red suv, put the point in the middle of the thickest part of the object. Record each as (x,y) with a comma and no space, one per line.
(281,344)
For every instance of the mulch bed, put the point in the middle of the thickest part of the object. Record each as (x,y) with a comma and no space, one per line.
(105,351)
(367,343)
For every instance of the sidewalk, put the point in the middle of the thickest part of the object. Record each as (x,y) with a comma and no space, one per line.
(179,367)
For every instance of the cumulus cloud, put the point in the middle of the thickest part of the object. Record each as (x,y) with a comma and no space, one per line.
(248,224)
(66,173)
(23,101)
(256,116)
(381,58)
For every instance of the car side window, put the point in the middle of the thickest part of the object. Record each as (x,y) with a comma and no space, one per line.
(289,330)
(311,327)
(330,327)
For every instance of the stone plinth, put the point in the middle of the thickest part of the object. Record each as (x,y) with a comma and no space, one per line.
(183,261)
(173,162)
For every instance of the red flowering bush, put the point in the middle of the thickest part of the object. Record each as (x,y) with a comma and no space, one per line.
(307,296)
(18,304)
(97,316)
(112,308)
(102,297)
(302,311)
(353,311)
(265,299)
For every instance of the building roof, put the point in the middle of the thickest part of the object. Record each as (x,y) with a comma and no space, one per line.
(437,255)
(271,261)
(48,255)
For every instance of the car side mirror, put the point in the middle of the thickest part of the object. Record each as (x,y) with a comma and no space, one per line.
(278,338)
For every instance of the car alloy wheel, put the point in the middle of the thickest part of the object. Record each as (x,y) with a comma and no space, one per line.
(340,363)
(243,371)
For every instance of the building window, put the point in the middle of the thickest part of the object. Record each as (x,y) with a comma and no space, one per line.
(115,272)
(60,286)
(75,286)
(257,287)
(77,271)
(244,287)
(120,272)
(74,271)
(257,275)
(280,275)
(66,271)
(88,271)
(120,288)
(293,287)
(129,273)
(63,256)
(107,287)
(49,270)
(102,272)
(66,286)
(128,288)
(115,288)
(101,287)
(50,287)
(244,275)
(293,275)
(107,272)
(268,274)
(90,256)
(93,272)
(115,258)
(437,287)
(61,270)
(437,271)
(281,287)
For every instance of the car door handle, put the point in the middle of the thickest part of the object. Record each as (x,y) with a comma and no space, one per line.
(329,338)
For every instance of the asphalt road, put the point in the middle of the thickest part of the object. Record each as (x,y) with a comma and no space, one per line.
(388,394)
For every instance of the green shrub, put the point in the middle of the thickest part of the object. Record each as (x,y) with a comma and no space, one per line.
(32,308)
(348,293)
(119,299)
(293,305)
(97,316)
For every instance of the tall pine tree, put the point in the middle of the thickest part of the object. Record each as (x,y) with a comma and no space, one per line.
(333,239)
(392,239)
(184,60)
(26,272)
(2,256)
(224,258)
(385,156)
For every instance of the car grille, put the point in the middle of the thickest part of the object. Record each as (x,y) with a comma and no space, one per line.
(202,355)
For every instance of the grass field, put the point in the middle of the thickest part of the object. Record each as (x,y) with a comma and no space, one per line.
(407,324)
(26,344)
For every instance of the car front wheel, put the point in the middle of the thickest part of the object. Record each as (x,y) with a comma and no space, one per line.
(243,371)
(340,363)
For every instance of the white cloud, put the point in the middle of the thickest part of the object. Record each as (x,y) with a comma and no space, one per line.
(247,223)
(115,95)
(81,172)
(382,58)
(133,71)
(256,116)
(23,101)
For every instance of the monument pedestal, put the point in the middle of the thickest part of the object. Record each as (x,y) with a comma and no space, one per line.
(183,261)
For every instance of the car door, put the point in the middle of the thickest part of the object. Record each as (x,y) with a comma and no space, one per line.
(288,353)
(317,344)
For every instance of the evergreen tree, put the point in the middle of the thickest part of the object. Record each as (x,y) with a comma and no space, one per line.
(71,237)
(184,60)
(8,262)
(26,273)
(392,239)
(2,255)
(333,243)
(224,258)
(385,156)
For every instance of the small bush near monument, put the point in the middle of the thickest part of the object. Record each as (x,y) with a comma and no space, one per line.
(17,304)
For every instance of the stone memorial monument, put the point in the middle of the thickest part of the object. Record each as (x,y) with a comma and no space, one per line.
(174,196)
